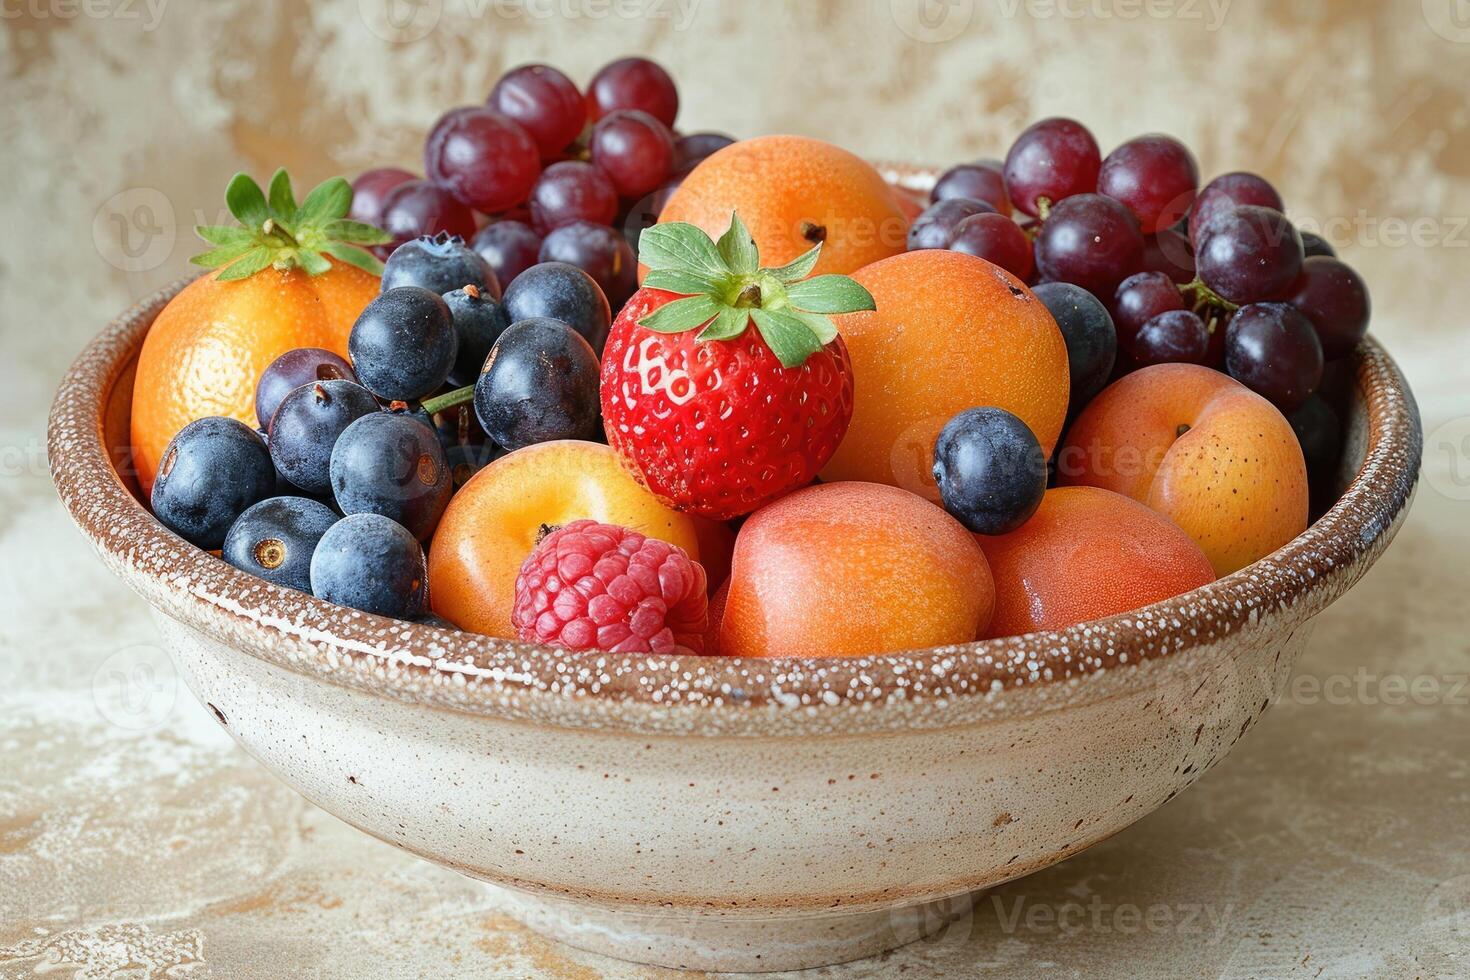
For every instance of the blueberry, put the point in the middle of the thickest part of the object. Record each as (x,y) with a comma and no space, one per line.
(1092,341)
(390,463)
(562,292)
(404,344)
(511,247)
(436,621)
(990,470)
(307,425)
(440,264)
(290,371)
(540,383)
(274,539)
(212,471)
(479,321)
(372,563)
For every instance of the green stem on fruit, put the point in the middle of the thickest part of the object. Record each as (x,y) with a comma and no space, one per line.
(1201,296)
(1043,208)
(450,399)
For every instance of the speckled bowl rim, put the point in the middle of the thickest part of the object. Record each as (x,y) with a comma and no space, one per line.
(480,674)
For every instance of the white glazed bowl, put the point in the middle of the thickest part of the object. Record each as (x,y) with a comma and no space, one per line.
(722,813)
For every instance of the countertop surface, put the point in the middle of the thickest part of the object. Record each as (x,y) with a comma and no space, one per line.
(136,840)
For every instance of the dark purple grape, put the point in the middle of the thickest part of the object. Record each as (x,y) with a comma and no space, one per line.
(486,160)
(559,291)
(540,383)
(1091,241)
(995,238)
(438,263)
(1168,252)
(1172,337)
(479,320)
(306,426)
(634,149)
(633,83)
(934,227)
(601,252)
(389,463)
(1087,329)
(290,371)
(1155,176)
(691,149)
(403,344)
(1052,159)
(213,470)
(1227,191)
(1335,299)
(1249,254)
(545,103)
(1314,244)
(274,539)
(572,191)
(1140,298)
(371,563)
(1319,431)
(990,470)
(370,190)
(420,207)
(979,181)
(510,247)
(1272,349)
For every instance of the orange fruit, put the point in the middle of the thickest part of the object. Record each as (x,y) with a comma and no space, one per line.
(950,332)
(208,346)
(793,192)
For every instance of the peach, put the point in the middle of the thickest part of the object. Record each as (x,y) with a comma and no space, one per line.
(846,569)
(1198,447)
(951,332)
(494,522)
(1084,554)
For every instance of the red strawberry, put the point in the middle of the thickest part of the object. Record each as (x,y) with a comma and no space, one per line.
(725,386)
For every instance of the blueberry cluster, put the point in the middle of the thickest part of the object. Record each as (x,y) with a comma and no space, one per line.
(354,463)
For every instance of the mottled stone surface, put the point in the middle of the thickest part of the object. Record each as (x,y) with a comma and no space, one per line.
(133,833)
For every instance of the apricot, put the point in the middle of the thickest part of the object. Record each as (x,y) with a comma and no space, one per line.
(846,569)
(495,521)
(1200,448)
(950,332)
(1084,554)
(794,192)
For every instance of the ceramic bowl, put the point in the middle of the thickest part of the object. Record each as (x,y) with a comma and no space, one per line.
(731,814)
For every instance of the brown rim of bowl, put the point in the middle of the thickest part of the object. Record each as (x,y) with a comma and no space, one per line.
(937,687)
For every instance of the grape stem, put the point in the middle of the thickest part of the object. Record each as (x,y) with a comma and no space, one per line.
(450,399)
(1201,296)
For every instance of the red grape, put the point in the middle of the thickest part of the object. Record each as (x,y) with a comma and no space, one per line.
(1334,298)
(980,181)
(1055,159)
(690,150)
(510,247)
(1155,176)
(485,159)
(996,238)
(1272,349)
(545,102)
(599,251)
(1168,252)
(634,149)
(1249,254)
(1314,244)
(1091,241)
(572,191)
(933,227)
(1140,298)
(421,207)
(1174,336)
(1227,191)
(369,191)
(633,83)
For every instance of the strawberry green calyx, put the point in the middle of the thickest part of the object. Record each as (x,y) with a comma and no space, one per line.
(725,290)
(276,232)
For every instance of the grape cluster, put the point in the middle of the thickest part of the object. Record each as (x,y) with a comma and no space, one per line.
(1214,275)
(544,173)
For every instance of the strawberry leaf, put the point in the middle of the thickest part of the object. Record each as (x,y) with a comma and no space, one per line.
(282,201)
(728,324)
(819,324)
(829,294)
(790,339)
(354,256)
(224,234)
(246,201)
(676,281)
(798,268)
(226,253)
(682,314)
(356,233)
(328,201)
(680,247)
(256,259)
(738,249)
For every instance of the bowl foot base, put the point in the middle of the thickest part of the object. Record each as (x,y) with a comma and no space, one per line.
(731,942)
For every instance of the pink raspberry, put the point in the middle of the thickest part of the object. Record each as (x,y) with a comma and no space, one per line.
(591,586)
